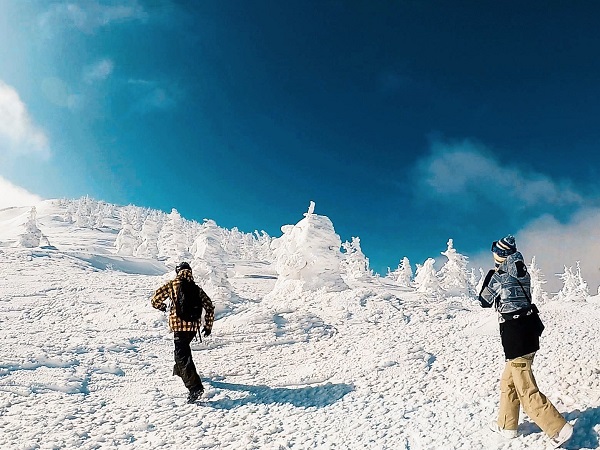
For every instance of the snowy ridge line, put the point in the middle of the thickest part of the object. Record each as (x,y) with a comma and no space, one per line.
(110,235)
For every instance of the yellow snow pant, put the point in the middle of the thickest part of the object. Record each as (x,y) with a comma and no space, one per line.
(518,388)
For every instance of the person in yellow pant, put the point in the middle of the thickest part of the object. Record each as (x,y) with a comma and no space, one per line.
(507,288)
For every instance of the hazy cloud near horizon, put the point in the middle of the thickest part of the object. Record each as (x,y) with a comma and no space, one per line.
(13,195)
(559,244)
(18,133)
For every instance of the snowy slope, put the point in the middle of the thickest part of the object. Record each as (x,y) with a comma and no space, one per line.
(86,362)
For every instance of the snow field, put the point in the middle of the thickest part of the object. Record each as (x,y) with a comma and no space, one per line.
(85,362)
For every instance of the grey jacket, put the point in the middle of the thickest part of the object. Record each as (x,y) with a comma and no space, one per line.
(503,289)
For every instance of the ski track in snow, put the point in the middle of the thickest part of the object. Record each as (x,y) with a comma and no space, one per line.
(86,363)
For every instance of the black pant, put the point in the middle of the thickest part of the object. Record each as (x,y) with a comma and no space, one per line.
(184,365)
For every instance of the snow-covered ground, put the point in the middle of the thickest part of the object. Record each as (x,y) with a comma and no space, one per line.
(85,362)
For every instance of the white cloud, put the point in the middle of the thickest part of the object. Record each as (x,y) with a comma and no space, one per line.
(89,16)
(557,244)
(15,196)
(99,71)
(465,169)
(18,134)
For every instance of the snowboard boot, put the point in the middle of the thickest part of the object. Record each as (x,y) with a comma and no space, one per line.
(506,434)
(565,433)
(194,394)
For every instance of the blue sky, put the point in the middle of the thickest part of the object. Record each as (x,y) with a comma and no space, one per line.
(407,122)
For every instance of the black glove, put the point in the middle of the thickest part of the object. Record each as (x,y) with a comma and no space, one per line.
(206,331)
(162,307)
(487,279)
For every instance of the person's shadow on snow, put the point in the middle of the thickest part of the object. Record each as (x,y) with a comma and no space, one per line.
(303,397)
(584,435)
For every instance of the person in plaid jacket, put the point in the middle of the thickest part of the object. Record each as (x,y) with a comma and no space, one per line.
(184,332)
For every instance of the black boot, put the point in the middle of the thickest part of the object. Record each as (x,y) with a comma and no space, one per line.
(194,394)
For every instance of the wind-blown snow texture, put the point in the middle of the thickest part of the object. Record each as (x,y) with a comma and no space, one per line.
(364,362)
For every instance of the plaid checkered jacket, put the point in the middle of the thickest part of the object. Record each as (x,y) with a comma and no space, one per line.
(169,291)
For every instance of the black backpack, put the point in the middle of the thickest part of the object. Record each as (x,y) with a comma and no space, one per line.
(188,304)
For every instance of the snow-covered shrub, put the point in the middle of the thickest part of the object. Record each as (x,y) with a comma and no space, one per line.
(454,276)
(537,280)
(403,275)
(354,264)
(574,286)
(426,279)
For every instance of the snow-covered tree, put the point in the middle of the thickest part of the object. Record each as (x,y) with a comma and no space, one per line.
(172,240)
(354,264)
(98,218)
(32,234)
(574,286)
(261,246)
(148,248)
(207,246)
(126,241)
(211,261)
(403,275)
(68,216)
(247,246)
(454,276)
(83,212)
(537,281)
(426,279)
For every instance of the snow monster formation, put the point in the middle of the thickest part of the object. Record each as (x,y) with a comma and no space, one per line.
(310,252)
